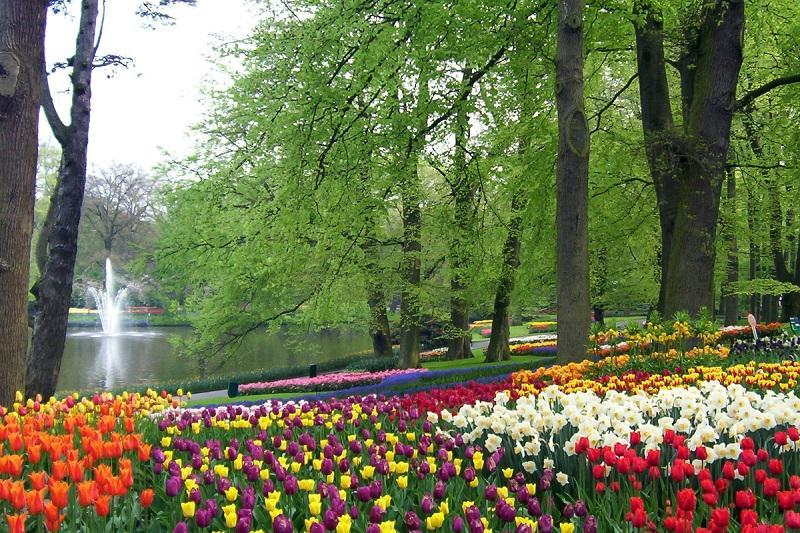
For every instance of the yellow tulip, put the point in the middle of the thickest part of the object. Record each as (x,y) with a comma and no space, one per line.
(188,509)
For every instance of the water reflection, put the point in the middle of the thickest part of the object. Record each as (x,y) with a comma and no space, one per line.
(95,361)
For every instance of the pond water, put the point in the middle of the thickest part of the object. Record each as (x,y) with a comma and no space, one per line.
(147,356)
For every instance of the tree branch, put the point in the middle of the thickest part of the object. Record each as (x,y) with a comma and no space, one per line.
(49,108)
(599,113)
(465,91)
(750,96)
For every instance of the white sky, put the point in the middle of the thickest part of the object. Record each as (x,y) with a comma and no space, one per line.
(148,109)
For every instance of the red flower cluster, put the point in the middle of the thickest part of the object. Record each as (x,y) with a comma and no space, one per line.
(758,492)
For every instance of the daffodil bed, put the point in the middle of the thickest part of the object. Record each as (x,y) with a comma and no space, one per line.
(590,446)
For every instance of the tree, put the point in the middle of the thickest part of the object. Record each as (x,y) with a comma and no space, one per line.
(54,288)
(118,201)
(22,26)
(572,186)
(688,156)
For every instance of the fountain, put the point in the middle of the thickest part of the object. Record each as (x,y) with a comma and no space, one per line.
(109,305)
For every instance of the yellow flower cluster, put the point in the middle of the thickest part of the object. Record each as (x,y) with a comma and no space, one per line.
(576,377)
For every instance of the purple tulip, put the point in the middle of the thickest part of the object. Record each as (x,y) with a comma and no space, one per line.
(458,524)
(523,528)
(427,504)
(411,520)
(375,514)
(181,527)
(590,524)
(363,494)
(546,524)
(580,508)
(203,518)
(173,486)
(490,492)
(330,520)
(281,524)
(534,507)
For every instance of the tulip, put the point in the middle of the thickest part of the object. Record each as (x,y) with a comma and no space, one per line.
(173,486)
(281,524)
(181,527)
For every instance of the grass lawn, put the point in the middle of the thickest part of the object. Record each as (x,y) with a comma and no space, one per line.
(516,331)
(470,364)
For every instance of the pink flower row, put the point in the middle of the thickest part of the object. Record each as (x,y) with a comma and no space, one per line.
(332,381)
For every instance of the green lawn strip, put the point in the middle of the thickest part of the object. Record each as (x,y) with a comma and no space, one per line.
(516,331)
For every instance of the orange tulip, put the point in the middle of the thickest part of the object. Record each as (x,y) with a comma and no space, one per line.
(129,424)
(59,491)
(52,517)
(146,498)
(13,465)
(144,452)
(75,471)
(34,453)
(87,493)
(59,470)
(16,522)
(15,441)
(17,495)
(103,505)
(33,498)
(38,480)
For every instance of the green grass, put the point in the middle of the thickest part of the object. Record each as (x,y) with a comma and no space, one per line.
(516,331)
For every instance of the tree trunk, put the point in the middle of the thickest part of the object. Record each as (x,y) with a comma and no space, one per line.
(687,167)
(376,300)
(753,249)
(412,251)
(55,288)
(462,188)
(657,123)
(22,28)
(572,187)
(379,323)
(498,341)
(690,274)
(731,301)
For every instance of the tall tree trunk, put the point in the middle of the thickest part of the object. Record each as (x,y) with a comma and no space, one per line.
(462,189)
(55,288)
(379,321)
(572,187)
(379,329)
(688,167)
(22,28)
(412,250)
(690,274)
(753,250)
(498,340)
(657,123)
(731,301)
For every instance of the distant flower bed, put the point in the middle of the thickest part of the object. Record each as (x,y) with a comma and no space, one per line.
(746,332)
(325,382)
(543,347)
(538,327)
(481,324)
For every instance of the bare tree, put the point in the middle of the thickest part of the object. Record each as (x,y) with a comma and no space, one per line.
(117,201)
(22,24)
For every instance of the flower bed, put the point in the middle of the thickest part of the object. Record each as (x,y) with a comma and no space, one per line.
(325,382)
(675,441)
(543,347)
(541,326)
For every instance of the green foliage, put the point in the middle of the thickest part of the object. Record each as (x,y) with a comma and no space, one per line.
(769,287)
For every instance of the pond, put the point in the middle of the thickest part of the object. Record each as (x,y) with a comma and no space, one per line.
(147,356)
